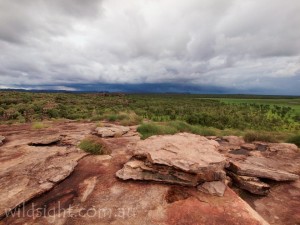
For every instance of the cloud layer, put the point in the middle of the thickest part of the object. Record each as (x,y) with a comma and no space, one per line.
(242,45)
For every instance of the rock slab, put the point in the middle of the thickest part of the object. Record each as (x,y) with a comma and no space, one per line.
(111,131)
(251,184)
(181,158)
(252,170)
(45,140)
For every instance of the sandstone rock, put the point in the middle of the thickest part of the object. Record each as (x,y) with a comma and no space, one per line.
(251,184)
(2,138)
(257,154)
(30,171)
(252,170)
(46,140)
(111,131)
(283,148)
(91,195)
(234,140)
(248,146)
(185,159)
(187,152)
(214,188)
(137,170)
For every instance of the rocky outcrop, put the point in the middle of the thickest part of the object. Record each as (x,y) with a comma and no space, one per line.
(45,140)
(27,172)
(214,188)
(2,138)
(283,148)
(185,159)
(111,131)
(251,184)
(252,170)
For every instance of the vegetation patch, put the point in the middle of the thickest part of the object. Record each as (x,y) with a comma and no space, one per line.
(128,118)
(200,114)
(150,129)
(38,125)
(94,146)
(295,140)
(259,136)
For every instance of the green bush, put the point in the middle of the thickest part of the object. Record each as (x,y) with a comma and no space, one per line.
(259,136)
(94,146)
(295,140)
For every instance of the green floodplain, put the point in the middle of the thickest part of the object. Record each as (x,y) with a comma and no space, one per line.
(273,118)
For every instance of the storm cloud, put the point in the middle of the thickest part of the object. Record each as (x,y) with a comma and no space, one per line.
(234,44)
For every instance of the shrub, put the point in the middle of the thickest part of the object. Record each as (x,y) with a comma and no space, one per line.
(295,140)
(259,136)
(94,146)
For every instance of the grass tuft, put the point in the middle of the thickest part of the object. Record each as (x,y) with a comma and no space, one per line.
(38,125)
(94,146)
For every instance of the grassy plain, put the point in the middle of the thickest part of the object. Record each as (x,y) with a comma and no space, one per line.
(277,116)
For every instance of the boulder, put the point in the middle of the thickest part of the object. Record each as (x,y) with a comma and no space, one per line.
(111,131)
(45,140)
(252,170)
(181,158)
(248,146)
(2,138)
(251,184)
(214,188)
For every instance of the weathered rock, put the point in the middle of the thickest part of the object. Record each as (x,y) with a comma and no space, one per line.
(91,195)
(137,170)
(187,152)
(251,184)
(283,148)
(27,172)
(252,170)
(234,140)
(185,159)
(214,188)
(2,138)
(282,206)
(111,131)
(290,163)
(45,140)
(257,154)
(248,146)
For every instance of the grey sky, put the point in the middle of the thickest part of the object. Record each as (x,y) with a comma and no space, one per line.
(240,44)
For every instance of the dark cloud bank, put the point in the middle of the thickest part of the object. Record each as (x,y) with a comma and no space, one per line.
(196,46)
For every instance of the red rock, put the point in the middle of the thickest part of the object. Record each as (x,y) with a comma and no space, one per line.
(252,170)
